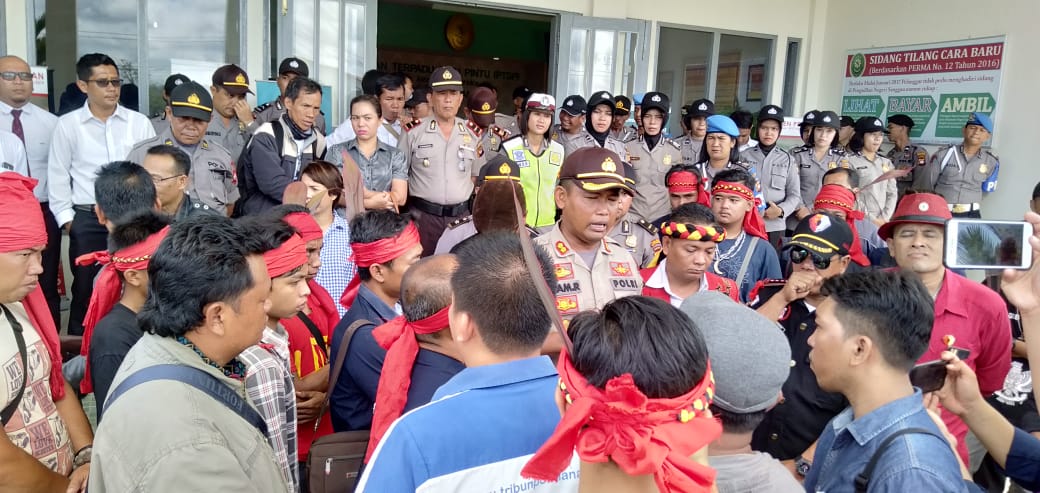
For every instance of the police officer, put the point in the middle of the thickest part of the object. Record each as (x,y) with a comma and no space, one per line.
(418,107)
(695,121)
(480,118)
(538,157)
(441,151)
(159,120)
(964,173)
(777,171)
(638,236)
(212,183)
(904,154)
(877,201)
(571,128)
(618,129)
(591,268)
(289,69)
(813,160)
(808,120)
(652,155)
(599,117)
(232,123)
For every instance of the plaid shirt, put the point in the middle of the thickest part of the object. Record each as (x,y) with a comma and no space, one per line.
(337,266)
(269,385)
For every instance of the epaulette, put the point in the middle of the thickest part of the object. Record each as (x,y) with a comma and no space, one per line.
(799,149)
(412,124)
(473,127)
(838,151)
(499,131)
(261,108)
(675,144)
(650,228)
(460,221)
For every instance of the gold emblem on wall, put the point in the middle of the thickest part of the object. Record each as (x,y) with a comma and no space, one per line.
(458,31)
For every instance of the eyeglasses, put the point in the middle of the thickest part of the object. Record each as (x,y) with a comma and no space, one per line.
(106,82)
(799,254)
(156,179)
(9,76)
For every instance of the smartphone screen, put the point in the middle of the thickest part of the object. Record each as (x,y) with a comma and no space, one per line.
(981,244)
(929,376)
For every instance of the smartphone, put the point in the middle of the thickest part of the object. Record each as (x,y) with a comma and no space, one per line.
(929,376)
(981,244)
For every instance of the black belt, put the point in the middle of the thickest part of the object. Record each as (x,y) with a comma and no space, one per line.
(428,207)
(88,208)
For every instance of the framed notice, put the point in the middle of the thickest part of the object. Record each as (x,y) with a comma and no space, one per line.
(938,85)
(755,81)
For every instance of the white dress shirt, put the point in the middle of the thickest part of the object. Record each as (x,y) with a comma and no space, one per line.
(345,132)
(38,126)
(82,144)
(659,279)
(12,154)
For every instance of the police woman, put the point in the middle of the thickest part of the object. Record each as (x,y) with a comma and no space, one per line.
(720,152)
(824,154)
(651,155)
(538,157)
(877,201)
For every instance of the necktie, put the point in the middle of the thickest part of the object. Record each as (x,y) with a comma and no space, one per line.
(16,127)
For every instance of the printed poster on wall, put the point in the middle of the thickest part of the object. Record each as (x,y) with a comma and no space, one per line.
(936,84)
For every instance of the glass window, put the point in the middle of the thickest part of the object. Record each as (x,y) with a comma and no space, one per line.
(791,75)
(332,34)
(741,81)
(576,69)
(683,60)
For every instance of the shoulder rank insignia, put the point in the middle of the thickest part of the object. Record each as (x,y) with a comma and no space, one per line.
(674,144)
(460,221)
(473,127)
(650,228)
(799,149)
(412,124)
(499,131)
(562,248)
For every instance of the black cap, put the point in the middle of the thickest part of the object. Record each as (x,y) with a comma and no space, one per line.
(809,118)
(173,81)
(622,105)
(418,97)
(293,65)
(445,78)
(499,167)
(233,79)
(847,121)
(701,107)
(868,124)
(522,92)
(656,100)
(191,100)
(902,119)
(594,169)
(822,234)
(827,119)
(574,105)
(601,97)
(771,112)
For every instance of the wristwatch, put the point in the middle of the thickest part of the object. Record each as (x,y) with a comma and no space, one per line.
(802,466)
(82,457)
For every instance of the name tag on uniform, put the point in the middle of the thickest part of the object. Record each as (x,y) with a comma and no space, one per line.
(806,166)
(7,166)
(624,283)
(633,158)
(568,287)
(425,146)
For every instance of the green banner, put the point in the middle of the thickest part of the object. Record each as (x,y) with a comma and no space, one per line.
(860,106)
(919,108)
(954,110)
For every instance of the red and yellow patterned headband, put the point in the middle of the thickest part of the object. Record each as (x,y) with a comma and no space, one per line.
(693,232)
(733,188)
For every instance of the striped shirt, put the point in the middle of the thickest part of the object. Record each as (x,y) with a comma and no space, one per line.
(269,385)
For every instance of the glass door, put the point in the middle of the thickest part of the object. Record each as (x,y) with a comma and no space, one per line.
(598,54)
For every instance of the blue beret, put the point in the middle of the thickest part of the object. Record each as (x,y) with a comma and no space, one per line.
(638,98)
(722,124)
(980,120)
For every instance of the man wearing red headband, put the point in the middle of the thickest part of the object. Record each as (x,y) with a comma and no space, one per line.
(874,247)
(745,255)
(841,202)
(480,426)
(691,236)
(420,354)
(269,376)
(47,435)
(386,245)
(110,327)
(637,420)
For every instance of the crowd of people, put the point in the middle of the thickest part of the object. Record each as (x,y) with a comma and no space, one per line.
(484,301)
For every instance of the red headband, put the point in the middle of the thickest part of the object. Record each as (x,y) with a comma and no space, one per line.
(398,338)
(285,258)
(305,224)
(838,198)
(693,232)
(754,225)
(378,252)
(108,287)
(639,434)
(21,219)
(683,182)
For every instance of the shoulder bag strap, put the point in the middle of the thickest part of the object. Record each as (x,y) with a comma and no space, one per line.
(196,378)
(747,261)
(16,327)
(313,328)
(337,366)
(863,478)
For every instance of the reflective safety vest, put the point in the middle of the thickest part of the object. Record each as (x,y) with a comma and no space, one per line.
(538,176)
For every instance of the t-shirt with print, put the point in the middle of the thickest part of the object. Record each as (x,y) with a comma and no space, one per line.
(764,263)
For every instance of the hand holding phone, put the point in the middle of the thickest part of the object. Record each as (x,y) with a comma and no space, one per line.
(929,376)
(981,244)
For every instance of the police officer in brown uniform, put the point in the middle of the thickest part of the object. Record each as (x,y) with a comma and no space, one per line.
(480,118)
(232,123)
(159,121)
(441,151)
(904,154)
(695,121)
(599,116)
(591,268)
(289,69)
(212,184)
(652,155)
(638,236)
(964,173)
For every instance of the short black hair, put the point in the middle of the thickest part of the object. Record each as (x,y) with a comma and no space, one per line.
(368,82)
(86,63)
(123,190)
(856,142)
(1036,191)
(202,260)
(734,175)
(693,213)
(280,211)
(389,82)
(494,286)
(850,172)
(373,226)
(269,230)
(136,229)
(181,159)
(734,153)
(742,118)
(426,288)
(892,308)
(653,341)
(737,422)
(301,85)
(370,99)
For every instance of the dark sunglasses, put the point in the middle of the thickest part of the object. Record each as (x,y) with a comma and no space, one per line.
(799,254)
(107,82)
(26,76)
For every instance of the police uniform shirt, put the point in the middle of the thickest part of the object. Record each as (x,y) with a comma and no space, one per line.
(614,274)
(160,123)
(690,149)
(212,182)
(37,126)
(650,167)
(440,171)
(233,137)
(879,200)
(273,110)
(12,154)
(508,123)
(639,238)
(456,232)
(961,180)
(625,135)
(610,144)
(912,157)
(811,170)
(779,179)
(490,144)
(191,208)
(804,410)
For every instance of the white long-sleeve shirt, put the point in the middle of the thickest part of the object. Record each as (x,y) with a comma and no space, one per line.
(37,126)
(82,144)
(12,154)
